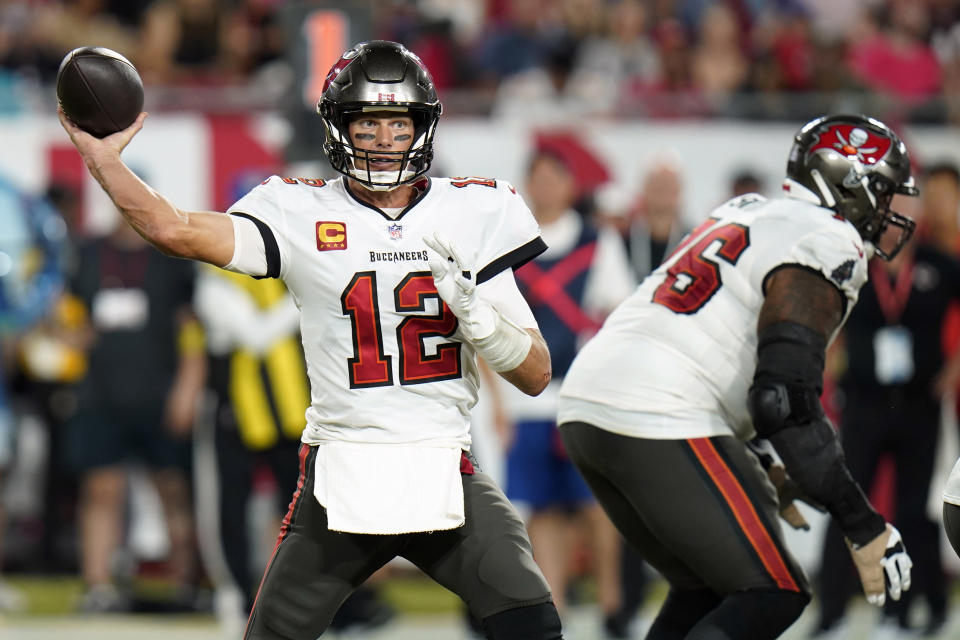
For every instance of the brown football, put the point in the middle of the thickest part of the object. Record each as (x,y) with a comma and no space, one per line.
(99,90)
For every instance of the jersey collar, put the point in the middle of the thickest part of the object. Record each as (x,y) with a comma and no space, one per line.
(422,188)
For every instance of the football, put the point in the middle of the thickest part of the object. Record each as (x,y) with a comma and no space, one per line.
(99,90)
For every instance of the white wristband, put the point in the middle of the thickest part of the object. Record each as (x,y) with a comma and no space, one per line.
(506,347)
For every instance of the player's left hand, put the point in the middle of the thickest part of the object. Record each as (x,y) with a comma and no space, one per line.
(456,284)
(883,565)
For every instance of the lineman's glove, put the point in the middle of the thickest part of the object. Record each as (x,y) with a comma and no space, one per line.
(883,559)
(456,284)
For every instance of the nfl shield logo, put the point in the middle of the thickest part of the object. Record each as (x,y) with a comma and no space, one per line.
(396,231)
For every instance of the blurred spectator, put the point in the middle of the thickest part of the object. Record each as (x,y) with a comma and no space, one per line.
(128,12)
(946,44)
(745,181)
(674,93)
(583,19)
(829,73)
(258,377)
(547,93)
(466,16)
(188,41)
(673,41)
(59,27)
(516,43)
(441,53)
(895,59)
(622,55)
(137,403)
(941,202)
(653,224)
(30,281)
(794,51)
(718,65)
(51,359)
(895,378)
(662,59)
(19,52)
(834,19)
(254,37)
(571,287)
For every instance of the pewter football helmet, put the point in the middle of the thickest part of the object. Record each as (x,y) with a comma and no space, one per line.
(854,165)
(379,76)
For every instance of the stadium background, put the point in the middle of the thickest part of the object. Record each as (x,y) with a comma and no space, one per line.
(242,110)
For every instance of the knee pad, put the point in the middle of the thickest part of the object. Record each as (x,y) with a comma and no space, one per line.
(506,577)
(534,622)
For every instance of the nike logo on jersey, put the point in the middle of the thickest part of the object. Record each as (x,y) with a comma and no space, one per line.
(858,248)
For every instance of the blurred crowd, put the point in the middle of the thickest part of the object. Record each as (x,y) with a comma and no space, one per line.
(657,58)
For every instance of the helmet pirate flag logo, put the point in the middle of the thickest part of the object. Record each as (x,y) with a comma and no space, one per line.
(853,141)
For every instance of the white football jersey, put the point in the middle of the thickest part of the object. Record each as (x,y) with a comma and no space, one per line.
(384,359)
(951,492)
(676,358)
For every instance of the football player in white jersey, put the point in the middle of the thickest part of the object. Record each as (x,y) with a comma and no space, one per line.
(402,280)
(951,508)
(725,342)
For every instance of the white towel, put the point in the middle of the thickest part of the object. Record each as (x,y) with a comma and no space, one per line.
(389,489)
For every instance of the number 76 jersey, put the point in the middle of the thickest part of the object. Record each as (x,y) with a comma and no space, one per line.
(384,356)
(676,359)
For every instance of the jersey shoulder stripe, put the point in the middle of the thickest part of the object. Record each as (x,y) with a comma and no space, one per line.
(270,246)
(514,259)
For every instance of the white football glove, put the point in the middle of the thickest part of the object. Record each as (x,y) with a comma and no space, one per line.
(883,565)
(456,284)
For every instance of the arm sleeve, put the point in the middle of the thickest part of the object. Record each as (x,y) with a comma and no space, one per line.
(262,207)
(502,292)
(249,250)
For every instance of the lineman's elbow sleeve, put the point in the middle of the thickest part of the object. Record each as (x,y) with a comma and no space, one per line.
(784,402)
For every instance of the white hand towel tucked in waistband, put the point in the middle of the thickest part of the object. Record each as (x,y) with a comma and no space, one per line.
(389,489)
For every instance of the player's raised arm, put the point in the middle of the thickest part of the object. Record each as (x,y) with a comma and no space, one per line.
(199,235)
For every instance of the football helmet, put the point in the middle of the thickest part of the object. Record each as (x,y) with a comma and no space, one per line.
(854,165)
(379,76)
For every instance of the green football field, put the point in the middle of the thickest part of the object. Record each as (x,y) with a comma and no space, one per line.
(425,612)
